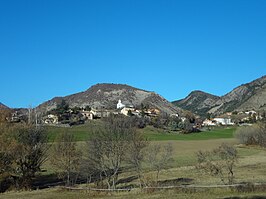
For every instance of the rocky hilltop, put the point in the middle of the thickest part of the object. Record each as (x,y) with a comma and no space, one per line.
(106,96)
(2,106)
(249,96)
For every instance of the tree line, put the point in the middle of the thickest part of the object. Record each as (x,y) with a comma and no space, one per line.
(115,148)
(23,149)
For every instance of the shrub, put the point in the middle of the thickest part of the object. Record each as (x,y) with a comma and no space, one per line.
(219,162)
(252,135)
(247,135)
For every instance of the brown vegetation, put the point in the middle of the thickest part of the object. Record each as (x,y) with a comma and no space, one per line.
(252,135)
(219,162)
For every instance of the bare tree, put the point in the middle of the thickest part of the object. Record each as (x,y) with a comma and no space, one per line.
(23,149)
(219,162)
(66,158)
(137,144)
(108,147)
(159,157)
(31,152)
(30,110)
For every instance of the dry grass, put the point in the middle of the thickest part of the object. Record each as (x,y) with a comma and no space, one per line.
(184,151)
(161,194)
(250,168)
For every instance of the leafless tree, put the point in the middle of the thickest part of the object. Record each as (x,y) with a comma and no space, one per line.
(31,152)
(107,148)
(23,149)
(66,158)
(159,156)
(219,162)
(135,155)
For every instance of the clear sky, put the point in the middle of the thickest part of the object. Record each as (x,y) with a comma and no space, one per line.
(54,48)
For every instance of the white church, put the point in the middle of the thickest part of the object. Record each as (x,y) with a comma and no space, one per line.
(120,105)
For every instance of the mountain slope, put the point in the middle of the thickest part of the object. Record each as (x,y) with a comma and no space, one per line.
(197,102)
(106,96)
(249,96)
(2,106)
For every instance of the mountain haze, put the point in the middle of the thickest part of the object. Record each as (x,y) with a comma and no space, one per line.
(106,96)
(249,96)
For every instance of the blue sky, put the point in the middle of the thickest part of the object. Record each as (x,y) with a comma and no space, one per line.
(54,48)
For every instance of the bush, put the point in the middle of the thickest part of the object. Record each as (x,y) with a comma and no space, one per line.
(252,135)
(247,135)
(219,162)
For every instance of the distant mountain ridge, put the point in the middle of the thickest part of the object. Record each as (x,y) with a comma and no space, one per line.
(249,96)
(106,96)
(197,102)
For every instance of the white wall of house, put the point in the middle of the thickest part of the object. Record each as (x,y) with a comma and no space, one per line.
(125,110)
(224,121)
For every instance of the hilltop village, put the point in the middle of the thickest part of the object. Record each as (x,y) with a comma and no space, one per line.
(63,115)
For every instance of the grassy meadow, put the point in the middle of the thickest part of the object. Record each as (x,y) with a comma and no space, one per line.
(162,135)
(83,132)
(250,167)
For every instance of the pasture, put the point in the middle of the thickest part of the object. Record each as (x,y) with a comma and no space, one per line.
(250,167)
(83,132)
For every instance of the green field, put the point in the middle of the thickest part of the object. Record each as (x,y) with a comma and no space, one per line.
(83,132)
(80,132)
(159,135)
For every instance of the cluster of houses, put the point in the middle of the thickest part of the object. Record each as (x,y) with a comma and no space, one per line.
(124,109)
(242,117)
(227,119)
(218,121)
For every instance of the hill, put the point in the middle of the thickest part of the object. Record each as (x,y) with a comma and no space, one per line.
(197,102)
(2,106)
(249,96)
(106,96)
